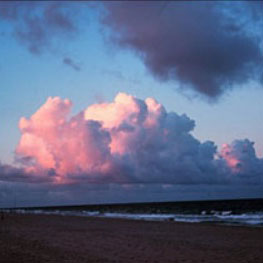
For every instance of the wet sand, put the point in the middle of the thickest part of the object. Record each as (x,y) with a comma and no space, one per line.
(49,238)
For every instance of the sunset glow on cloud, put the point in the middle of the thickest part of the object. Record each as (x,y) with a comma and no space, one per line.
(127,141)
(66,126)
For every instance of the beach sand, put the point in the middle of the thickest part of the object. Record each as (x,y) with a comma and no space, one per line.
(50,238)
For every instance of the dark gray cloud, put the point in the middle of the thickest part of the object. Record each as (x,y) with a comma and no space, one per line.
(209,47)
(69,62)
(12,173)
(38,25)
(204,45)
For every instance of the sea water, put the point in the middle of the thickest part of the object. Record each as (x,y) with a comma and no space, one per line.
(223,217)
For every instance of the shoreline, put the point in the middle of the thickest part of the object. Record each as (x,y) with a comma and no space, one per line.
(217,218)
(49,238)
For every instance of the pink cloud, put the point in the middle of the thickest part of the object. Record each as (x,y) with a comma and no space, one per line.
(241,158)
(125,141)
(67,145)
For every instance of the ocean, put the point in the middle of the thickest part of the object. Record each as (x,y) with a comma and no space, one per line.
(244,212)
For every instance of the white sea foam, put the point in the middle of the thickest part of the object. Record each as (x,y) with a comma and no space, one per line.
(251,219)
(224,218)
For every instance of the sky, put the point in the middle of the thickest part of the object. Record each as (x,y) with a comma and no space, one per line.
(130,101)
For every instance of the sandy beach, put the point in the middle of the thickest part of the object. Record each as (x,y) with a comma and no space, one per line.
(50,238)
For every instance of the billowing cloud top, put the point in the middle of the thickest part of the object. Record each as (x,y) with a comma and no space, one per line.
(127,141)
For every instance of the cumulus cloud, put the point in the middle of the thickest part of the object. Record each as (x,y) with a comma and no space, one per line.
(241,158)
(129,142)
(125,150)
(208,46)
